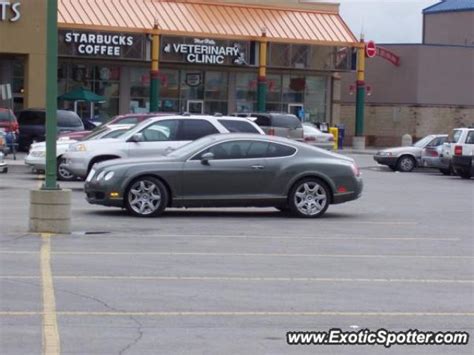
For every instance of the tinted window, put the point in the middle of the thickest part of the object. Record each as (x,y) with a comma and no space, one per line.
(470,138)
(6,116)
(278,150)
(286,121)
(238,126)
(237,150)
(68,119)
(115,134)
(195,129)
(161,131)
(437,142)
(31,118)
(262,121)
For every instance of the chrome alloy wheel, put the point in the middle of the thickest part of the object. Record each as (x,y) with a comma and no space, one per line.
(310,198)
(144,197)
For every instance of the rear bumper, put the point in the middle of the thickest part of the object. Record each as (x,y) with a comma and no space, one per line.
(462,164)
(341,197)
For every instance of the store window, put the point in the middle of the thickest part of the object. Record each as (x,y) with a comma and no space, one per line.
(316,98)
(299,56)
(293,88)
(12,71)
(246,92)
(279,55)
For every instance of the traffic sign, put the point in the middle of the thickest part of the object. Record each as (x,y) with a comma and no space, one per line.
(370,49)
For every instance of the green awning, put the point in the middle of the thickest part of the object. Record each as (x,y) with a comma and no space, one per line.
(81,94)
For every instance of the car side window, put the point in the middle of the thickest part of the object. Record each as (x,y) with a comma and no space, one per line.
(115,134)
(278,150)
(193,129)
(238,126)
(263,121)
(161,131)
(237,150)
(470,138)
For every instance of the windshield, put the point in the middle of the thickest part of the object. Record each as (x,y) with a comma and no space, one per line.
(193,147)
(6,115)
(423,142)
(96,132)
(311,129)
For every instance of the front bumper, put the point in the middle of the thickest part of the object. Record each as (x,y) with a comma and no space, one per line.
(386,160)
(341,197)
(76,163)
(99,194)
(3,165)
(35,162)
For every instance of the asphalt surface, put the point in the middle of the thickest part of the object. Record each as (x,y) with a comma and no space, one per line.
(236,280)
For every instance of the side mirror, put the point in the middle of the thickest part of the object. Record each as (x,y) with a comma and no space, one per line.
(206,157)
(136,138)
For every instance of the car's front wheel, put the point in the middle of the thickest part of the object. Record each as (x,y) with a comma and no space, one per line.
(146,197)
(309,198)
(62,173)
(406,164)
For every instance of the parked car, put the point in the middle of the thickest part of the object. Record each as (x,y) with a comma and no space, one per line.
(235,170)
(32,125)
(462,159)
(36,158)
(277,124)
(313,136)
(405,159)
(153,137)
(9,124)
(131,118)
(3,164)
(456,138)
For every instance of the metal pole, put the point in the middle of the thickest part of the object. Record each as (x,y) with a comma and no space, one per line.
(155,71)
(360,93)
(51,94)
(262,75)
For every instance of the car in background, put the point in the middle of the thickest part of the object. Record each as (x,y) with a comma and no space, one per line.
(463,154)
(432,157)
(36,157)
(316,138)
(130,118)
(32,125)
(456,137)
(277,124)
(229,170)
(405,159)
(153,137)
(9,124)
(3,164)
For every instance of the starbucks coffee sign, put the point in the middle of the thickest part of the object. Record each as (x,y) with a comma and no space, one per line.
(10,11)
(109,45)
(206,51)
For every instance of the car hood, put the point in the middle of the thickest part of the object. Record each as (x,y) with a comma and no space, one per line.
(400,150)
(136,162)
(59,143)
(101,142)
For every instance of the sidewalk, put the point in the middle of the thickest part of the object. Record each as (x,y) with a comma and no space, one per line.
(350,150)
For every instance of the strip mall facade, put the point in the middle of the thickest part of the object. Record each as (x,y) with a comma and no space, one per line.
(209,54)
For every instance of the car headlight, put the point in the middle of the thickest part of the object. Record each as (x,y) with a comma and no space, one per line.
(79,148)
(386,154)
(109,175)
(101,175)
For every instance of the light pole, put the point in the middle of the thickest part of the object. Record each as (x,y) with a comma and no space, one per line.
(262,73)
(359,139)
(155,70)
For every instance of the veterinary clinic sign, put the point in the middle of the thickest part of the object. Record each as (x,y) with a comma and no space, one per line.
(206,51)
(9,11)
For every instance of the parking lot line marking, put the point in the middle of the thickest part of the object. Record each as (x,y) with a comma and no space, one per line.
(237,278)
(278,255)
(51,343)
(19,313)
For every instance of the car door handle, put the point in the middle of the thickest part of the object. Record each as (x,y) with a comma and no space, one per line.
(258,167)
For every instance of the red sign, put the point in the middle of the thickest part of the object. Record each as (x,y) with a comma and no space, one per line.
(370,49)
(388,55)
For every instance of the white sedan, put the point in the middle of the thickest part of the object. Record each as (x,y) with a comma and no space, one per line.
(313,136)
(36,157)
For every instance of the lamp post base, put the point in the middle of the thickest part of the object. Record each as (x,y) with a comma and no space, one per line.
(50,211)
(358,143)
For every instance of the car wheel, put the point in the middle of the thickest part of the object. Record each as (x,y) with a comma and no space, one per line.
(62,173)
(406,164)
(146,197)
(309,198)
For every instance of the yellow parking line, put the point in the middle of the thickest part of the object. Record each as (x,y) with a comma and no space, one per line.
(51,343)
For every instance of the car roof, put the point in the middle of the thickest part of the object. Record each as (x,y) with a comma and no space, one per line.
(253,136)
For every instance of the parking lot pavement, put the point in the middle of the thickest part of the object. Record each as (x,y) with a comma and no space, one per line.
(236,280)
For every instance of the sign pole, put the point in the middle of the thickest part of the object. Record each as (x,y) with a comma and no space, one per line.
(360,93)
(155,71)
(51,94)
(262,74)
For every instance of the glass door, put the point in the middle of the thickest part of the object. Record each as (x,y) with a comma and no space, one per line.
(195,107)
(297,110)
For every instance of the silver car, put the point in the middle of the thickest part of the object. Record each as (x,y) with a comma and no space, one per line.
(234,170)
(405,159)
(313,136)
(277,124)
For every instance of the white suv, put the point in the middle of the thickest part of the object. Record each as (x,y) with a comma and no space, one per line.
(153,137)
(461,151)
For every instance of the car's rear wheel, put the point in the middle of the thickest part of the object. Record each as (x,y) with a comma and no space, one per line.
(406,164)
(62,173)
(146,197)
(309,198)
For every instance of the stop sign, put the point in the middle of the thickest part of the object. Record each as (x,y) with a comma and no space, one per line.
(370,49)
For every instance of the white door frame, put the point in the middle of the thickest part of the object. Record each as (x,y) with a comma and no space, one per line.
(294,105)
(189,102)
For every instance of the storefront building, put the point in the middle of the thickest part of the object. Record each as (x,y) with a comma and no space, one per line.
(209,58)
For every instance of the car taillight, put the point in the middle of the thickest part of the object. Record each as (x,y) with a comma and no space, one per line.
(432,153)
(309,139)
(271,132)
(331,139)
(355,169)
(458,150)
